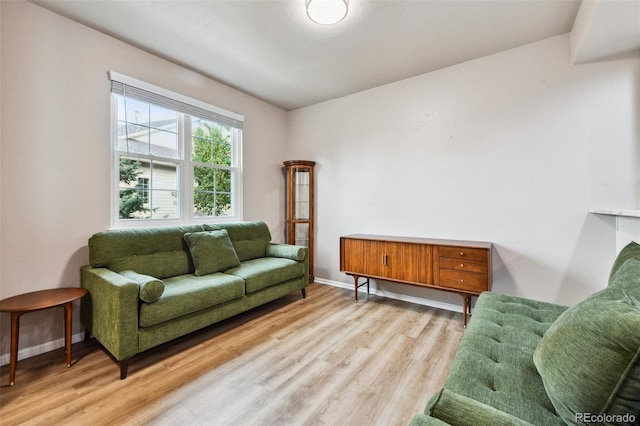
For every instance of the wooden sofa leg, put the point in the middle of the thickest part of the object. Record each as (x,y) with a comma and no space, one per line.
(87,335)
(304,293)
(124,365)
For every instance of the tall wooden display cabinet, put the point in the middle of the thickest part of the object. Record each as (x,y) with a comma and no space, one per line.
(300,206)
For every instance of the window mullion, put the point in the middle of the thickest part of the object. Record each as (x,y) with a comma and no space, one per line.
(152,198)
(187,168)
(237,174)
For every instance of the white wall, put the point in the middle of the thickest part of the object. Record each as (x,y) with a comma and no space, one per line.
(55,151)
(512,148)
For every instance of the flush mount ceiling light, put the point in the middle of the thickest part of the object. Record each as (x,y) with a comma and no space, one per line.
(327,12)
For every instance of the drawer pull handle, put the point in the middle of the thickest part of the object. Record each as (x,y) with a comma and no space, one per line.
(462,265)
(461,253)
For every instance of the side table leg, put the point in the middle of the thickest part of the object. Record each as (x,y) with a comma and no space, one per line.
(15,335)
(68,312)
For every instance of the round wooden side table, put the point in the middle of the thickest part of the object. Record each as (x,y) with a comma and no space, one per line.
(35,301)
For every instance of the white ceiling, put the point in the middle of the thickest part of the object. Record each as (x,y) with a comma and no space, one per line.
(271,50)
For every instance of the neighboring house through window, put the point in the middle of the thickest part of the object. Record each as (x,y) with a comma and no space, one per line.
(175,159)
(143,185)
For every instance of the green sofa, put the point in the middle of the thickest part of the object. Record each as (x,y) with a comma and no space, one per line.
(524,362)
(148,286)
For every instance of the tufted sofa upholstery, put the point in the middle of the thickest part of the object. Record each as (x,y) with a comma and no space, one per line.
(148,286)
(494,363)
(521,362)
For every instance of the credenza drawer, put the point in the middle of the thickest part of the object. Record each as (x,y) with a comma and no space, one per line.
(464,265)
(464,253)
(465,281)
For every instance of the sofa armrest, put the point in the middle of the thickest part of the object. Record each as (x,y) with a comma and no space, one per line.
(456,409)
(287,251)
(111,311)
(424,420)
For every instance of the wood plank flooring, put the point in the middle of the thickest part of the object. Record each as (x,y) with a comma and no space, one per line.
(323,360)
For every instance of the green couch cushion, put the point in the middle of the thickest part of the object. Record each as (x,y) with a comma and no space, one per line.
(265,272)
(151,288)
(589,359)
(630,251)
(494,361)
(453,408)
(249,239)
(188,293)
(211,251)
(425,420)
(162,264)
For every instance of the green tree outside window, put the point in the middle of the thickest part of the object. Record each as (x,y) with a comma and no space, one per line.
(132,199)
(212,185)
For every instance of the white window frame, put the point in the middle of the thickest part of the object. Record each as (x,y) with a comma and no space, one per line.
(185,164)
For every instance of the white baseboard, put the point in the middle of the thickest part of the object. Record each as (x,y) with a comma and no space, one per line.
(396,296)
(42,348)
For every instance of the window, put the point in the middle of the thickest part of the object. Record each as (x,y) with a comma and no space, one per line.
(175,159)
(143,184)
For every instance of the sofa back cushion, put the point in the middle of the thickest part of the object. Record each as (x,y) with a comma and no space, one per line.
(249,239)
(157,251)
(589,359)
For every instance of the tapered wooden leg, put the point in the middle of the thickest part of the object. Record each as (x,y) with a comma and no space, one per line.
(15,335)
(304,293)
(68,312)
(466,308)
(357,286)
(465,300)
(124,366)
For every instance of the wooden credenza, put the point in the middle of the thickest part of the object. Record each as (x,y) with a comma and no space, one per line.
(462,267)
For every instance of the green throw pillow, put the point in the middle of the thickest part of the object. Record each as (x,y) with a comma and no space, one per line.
(287,251)
(630,251)
(150,288)
(589,359)
(211,251)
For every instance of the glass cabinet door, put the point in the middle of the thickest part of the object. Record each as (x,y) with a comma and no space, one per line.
(300,206)
(301,196)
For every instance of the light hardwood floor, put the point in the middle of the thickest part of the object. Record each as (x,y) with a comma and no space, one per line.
(323,360)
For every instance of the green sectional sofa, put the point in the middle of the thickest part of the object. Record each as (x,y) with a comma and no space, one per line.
(148,286)
(524,362)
